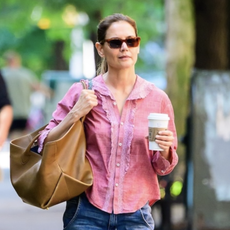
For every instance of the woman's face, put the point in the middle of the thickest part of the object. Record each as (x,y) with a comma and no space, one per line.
(123,57)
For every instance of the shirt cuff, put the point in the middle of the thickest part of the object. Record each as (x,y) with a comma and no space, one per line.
(41,139)
(161,165)
(160,161)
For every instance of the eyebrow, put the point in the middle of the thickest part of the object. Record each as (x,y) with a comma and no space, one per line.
(121,38)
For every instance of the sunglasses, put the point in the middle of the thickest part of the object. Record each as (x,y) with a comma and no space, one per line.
(116,43)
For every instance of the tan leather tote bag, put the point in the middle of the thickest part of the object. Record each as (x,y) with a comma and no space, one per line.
(60,173)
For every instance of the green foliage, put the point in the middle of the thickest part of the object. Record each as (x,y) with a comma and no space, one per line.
(7,39)
(149,14)
(36,55)
(20,22)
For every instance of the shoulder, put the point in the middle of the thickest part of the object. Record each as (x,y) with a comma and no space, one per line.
(73,93)
(75,88)
(27,73)
(97,80)
(144,89)
(98,85)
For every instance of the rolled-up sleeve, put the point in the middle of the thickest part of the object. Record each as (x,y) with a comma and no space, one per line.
(163,166)
(160,164)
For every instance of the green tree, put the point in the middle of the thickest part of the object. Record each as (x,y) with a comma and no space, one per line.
(24,28)
(149,16)
(37,28)
(180,39)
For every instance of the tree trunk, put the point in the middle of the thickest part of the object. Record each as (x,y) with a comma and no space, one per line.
(212,28)
(180,58)
(59,60)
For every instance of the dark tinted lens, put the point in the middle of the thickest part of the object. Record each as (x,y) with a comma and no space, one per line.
(132,42)
(115,43)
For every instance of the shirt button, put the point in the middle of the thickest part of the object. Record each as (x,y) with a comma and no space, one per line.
(118,164)
(163,171)
(116,184)
(122,123)
(114,103)
(120,144)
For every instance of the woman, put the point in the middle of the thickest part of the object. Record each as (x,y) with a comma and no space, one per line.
(116,125)
(6,112)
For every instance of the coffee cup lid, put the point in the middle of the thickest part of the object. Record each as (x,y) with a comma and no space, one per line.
(159,116)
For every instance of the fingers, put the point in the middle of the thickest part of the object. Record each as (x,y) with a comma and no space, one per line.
(164,139)
(85,103)
(88,97)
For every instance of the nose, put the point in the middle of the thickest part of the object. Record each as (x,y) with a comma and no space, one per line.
(124,46)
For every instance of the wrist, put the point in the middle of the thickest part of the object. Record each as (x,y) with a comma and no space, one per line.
(73,116)
(166,154)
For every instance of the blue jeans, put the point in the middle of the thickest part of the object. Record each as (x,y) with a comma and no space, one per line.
(80,214)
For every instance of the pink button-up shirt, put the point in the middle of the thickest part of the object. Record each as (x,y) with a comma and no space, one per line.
(125,170)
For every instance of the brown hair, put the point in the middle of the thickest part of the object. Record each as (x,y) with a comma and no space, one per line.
(101,33)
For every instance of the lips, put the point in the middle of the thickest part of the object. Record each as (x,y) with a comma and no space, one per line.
(123,57)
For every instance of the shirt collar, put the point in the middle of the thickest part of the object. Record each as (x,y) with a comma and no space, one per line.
(140,90)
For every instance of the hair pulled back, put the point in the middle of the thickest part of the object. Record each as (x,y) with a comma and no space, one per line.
(102,29)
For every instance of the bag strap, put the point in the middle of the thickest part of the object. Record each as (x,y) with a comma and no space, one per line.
(86,84)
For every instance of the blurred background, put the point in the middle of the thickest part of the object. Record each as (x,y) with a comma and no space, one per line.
(185,50)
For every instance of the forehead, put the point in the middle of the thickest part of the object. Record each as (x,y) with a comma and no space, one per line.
(121,29)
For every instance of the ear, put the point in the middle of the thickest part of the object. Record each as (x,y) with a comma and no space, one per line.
(138,51)
(99,48)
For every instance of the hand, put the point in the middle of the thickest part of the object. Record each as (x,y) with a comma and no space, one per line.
(85,103)
(164,139)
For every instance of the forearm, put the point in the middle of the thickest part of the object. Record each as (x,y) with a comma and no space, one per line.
(6,117)
(166,154)
(60,130)
(84,104)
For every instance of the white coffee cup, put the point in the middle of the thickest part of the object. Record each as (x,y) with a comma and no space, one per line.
(157,122)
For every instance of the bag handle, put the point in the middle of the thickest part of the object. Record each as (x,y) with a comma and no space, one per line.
(31,137)
(36,133)
(86,84)
(27,154)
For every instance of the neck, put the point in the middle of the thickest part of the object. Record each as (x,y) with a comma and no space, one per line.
(120,84)
(120,78)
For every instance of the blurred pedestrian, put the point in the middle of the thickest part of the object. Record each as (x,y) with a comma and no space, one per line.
(6,112)
(6,115)
(116,125)
(21,83)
